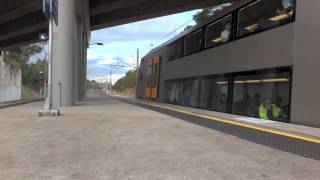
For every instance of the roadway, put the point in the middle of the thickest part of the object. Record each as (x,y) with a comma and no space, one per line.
(105,138)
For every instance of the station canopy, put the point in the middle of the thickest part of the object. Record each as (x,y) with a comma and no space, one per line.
(21,21)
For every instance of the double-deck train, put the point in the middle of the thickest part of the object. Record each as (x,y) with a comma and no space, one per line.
(241,61)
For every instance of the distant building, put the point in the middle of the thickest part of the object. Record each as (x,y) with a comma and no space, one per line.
(10,81)
(102,88)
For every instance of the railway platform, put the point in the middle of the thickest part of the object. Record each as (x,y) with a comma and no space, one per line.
(121,138)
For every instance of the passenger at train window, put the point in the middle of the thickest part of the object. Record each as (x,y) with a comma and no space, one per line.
(226,33)
(285,11)
(219,32)
(264,14)
(270,111)
(253,109)
(280,103)
(287,5)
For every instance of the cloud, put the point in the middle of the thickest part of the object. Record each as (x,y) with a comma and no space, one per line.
(107,59)
(110,60)
(100,65)
(151,29)
(91,56)
(121,43)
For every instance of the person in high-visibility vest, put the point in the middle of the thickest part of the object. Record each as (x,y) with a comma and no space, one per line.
(268,111)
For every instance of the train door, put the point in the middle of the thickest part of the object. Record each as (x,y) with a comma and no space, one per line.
(149,79)
(155,77)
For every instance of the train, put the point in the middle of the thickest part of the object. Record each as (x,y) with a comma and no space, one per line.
(241,60)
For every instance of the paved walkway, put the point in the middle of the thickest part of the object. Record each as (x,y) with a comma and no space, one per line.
(109,139)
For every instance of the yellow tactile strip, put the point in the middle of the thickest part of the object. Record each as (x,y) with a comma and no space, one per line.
(227,121)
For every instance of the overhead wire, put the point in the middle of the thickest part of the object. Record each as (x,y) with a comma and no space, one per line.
(166,35)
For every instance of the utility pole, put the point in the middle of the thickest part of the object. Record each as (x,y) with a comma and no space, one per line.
(110,83)
(107,86)
(45,72)
(49,105)
(137,71)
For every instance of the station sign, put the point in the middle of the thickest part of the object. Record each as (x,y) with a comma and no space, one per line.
(46,8)
(50,10)
(54,10)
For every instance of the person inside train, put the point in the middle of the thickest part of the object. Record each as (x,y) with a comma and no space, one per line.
(279,103)
(269,111)
(286,6)
(226,33)
(253,107)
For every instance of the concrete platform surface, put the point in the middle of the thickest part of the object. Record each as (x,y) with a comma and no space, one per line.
(104,138)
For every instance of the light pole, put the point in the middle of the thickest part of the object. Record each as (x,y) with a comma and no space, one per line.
(137,72)
(110,83)
(98,44)
(43,40)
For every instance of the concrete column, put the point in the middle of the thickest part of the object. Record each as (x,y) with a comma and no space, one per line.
(84,79)
(77,60)
(82,67)
(63,55)
(306,86)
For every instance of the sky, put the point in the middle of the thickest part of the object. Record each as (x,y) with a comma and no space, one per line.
(121,43)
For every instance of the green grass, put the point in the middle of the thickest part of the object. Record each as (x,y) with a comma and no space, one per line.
(128,92)
(28,93)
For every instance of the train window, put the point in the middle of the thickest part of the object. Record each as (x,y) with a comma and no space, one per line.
(174,50)
(186,93)
(219,32)
(155,75)
(194,93)
(262,96)
(183,92)
(176,93)
(264,14)
(149,75)
(170,92)
(204,93)
(214,93)
(193,42)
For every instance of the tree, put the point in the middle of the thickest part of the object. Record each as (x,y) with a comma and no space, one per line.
(203,15)
(127,82)
(30,74)
(19,57)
